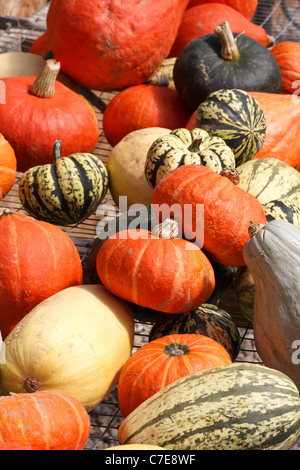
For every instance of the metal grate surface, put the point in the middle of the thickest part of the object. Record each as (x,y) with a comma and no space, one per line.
(281,19)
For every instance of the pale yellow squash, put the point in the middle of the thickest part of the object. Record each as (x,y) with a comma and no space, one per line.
(75,341)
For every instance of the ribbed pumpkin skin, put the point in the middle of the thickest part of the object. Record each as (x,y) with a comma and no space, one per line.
(287,56)
(246,8)
(202,19)
(200,69)
(109,46)
(168,275)
(47,420)
(228,210)
(39,260)
(237,118)
(239,406)
(8,165)
(65,192)
(140,107)
(282,113)
(270,179)
(180,147)
(32,124)
(162,361)
(208,320)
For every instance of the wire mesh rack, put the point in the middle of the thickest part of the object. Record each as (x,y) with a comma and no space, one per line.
(281,19)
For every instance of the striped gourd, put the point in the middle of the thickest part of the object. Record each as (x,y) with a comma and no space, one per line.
(236,117)
(65,192)
(281,209)
(270,179)
(208,320)
(184,147)
(240,406)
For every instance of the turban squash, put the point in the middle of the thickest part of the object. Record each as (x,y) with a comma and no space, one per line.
(40,110)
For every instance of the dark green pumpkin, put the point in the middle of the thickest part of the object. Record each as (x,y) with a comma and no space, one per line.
(208,320)
(202,67)
(66,191)
(184,147)
(236,117)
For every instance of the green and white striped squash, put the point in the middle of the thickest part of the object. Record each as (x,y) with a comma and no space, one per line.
(282,209)
(185,147)
(66,191)
(236,117)
(270,179)
(240,406)
(207,320)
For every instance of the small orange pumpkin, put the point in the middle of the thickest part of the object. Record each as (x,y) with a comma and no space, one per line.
(162,361)
(8,166)
(287,56)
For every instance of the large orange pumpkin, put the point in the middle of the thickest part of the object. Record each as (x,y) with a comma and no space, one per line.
(162,361)
(47,420)
(287,56)
(245,7)
(112,45)
(37,260)
(34,118)
(141,107)
(168,275)
(228,209)
(8,165)
(202,19)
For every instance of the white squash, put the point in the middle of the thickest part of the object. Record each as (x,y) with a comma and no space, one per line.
(75,341)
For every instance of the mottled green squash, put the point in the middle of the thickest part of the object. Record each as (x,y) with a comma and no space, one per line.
(184,147)
(208,320)
(236,117)
(66,191)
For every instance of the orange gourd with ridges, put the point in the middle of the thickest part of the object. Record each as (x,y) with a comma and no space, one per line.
(228,209)
(168,275)
(38,259)
(46,420)
(162,361)
(287,56)
(8,165)
(245,7)
(203,19)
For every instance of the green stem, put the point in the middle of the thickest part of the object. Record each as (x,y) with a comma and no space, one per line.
(195,145)
(229,49)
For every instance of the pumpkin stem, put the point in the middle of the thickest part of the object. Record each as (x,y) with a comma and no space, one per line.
(44,84)
(31,385)
(195,145)
(5,211)
(56,150)
(254,228)
(167,229)
(231,173)
(229,49)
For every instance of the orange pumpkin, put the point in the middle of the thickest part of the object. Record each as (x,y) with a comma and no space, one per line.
(40,45)
(11,445)
(47,420)
(168,275)
(245,7)
(287,56)
(39,111)
(228,209)
(112,45)
(202,19)
(162,361)
(141,107)
(8,165)
(37,260)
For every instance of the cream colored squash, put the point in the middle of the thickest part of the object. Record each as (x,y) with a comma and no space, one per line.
(75,341)
(126,166)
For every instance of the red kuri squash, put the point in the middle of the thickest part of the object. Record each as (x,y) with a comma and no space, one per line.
(162,361)
(202,19)
(47,420)
(228,209)
(168,275)
(245,7)
(287,56)
(112,45)
(37,260)
(40,111)
(8,165)
(141,107)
